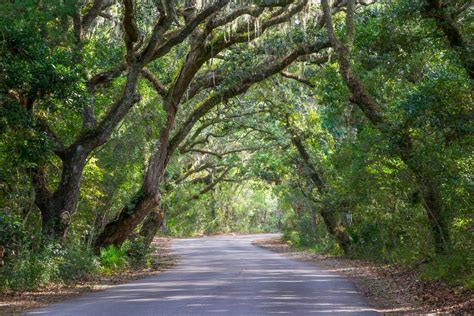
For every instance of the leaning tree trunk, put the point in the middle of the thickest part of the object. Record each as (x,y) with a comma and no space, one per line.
(373,110)
(151,225)
(436,213)
(117,231)
(333,224)
(144,201)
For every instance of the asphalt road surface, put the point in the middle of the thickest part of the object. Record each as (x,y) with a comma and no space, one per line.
(225,276)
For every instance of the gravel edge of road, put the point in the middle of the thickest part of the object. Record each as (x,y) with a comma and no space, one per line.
(20,302)
(390,289)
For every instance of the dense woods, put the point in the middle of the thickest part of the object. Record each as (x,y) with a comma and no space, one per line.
(347,125)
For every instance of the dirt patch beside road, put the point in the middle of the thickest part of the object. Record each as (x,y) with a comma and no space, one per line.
(389,288)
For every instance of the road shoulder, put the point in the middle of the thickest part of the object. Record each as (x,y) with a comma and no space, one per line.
(16,303)
(389,289)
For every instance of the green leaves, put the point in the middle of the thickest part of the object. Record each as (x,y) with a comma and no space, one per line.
(244,147)
(112,260)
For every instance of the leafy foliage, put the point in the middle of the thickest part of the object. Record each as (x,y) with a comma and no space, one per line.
(291,153)
(112,260)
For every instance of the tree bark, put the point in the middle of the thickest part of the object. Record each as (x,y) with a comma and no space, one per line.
(432,200)
(334,225)
(144,201)
(151,225)
(436,9)
(435,210)
(57,207)
(148,198)
(336,229)
(117,231)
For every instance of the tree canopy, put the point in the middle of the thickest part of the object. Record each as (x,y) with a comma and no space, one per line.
(345,124)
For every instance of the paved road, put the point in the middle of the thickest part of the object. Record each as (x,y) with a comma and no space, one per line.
(225,276)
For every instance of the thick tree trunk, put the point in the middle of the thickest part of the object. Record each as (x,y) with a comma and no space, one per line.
(146,200)
(336,229)
(57,208)
(117,231)
(434,207)
(431,196)
(151,225)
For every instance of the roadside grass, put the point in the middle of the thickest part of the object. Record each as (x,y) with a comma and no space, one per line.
(112,260)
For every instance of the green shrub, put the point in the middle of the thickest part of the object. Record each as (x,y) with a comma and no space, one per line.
(292,238)
(30,268)
(112,259)
(457,268)
(139,253)
(12,232)
(77,262)
(469,281)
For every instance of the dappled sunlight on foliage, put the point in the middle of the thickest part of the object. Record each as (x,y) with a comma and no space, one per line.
(345,125)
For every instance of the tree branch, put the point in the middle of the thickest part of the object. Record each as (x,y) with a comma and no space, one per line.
(210,186)
(265,70)
(88,116)
(177,37)
(57,143)
(208,80)
(297,78)
(91,15)
(193,171)
(132,34)
(90,139)
(242,34)
(360,95)
(436,10)
(154,82)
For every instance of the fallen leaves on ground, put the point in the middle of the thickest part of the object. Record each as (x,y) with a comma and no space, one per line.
(389,288)
(15,303)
